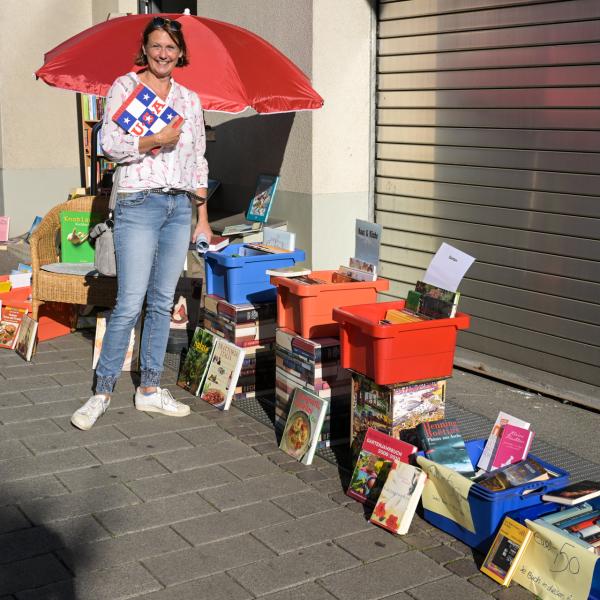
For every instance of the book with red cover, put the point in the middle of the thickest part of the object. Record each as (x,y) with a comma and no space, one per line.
(374,462)
(513,446)
(10,324)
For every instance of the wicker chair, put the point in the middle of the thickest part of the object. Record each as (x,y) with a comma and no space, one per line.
(58,287)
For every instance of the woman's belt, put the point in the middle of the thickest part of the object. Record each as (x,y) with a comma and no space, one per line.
(176,192)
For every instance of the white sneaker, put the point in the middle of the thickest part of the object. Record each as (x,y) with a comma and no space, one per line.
(90,412)
(161,402)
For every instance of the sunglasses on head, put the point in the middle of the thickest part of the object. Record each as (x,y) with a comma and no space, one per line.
(162,22)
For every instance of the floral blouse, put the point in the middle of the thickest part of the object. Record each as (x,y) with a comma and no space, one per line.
(182,166)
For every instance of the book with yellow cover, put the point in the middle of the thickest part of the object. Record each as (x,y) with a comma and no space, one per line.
(401,316)
(506,551)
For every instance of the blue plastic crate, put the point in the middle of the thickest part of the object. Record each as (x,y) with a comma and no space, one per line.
(237,273)
(488,509)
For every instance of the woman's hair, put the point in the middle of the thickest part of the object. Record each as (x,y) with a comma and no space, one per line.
(173,28)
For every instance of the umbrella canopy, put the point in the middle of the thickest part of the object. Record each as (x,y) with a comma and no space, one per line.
(230,68)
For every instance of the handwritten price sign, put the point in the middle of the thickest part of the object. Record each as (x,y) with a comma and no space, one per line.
(553,567)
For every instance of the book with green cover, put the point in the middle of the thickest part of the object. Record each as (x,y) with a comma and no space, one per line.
(75,227)
(194,366)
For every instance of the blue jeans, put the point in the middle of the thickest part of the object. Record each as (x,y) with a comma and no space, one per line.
(152,233)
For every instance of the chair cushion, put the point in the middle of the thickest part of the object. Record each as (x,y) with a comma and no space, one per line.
(65,268)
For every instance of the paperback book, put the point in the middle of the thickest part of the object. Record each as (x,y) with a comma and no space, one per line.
(506,551)
(240,313)
(262,201)
(489,450)
(279,238)
(222,374)
(581,523)
(399,497)
(241,228)
(193,367)
(10,323)
(520,473)
(303,426)
(436,302)
(513,446)
(26,338)
(4,228)
(75,228)
(444,444)
(377,453)
(291,271)
(575,493)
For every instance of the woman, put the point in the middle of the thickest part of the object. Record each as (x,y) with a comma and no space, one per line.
(160,177)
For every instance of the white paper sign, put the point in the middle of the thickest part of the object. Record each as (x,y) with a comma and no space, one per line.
(448,267)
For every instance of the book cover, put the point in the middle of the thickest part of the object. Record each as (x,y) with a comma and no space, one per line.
(377,453)
(574,493)
(75,227)
(487,456)
(26,338)
(262,201)
(514,475)
(278,238)
(193,368)
(4,228)
(506,550)
(144,113)
(10,323)
(132,356)
(222,374)
(241,228)
(436,302)
(291,271)
(186,306)
(399,497)
(240,313)
(356,274)
(367,241)
(444,444)
(251,248)
(303,425)
(395,316)
(217,242)
(513,446)
(363,265)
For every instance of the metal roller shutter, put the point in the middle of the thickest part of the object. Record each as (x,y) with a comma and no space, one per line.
(488,138)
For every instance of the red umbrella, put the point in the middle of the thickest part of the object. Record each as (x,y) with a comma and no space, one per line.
(230,68)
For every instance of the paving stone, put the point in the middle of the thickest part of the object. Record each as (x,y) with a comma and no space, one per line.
(254,466)
(255,439)
(205,436)
(17,431)
(440,535)
(79,503)
(31,489)
(281,458)
(463,567)
(163,425)
(461,548)
(267,448)
(328,486)
(12,449)
(305,503)
(12,400)
(75,438)
(384,577)
(420,540)
(514,592)
(238,430)
(146,446)
(485,583)
(11,519)
(308,591)
(341,498)
(372,545)
(293,569)
(203,456)
(39,411)
(53,355)
(115,415)
(154,514)
(78,530)
(36,369)
(311,475)
(56,394)
(29,573)
(310,530)
(216,587)
(217,557)
(231,523)
(442,554)
(67,342)
(259,427)
(113,552)
(22,468)
(103,475)
(449,587)
(21,385)
(294,467)
(241,493)
(111,584)
(172,484)
(74,377)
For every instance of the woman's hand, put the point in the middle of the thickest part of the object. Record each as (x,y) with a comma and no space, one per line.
(168,136)
(202,228)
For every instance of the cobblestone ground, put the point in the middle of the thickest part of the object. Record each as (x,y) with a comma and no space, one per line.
(200,507)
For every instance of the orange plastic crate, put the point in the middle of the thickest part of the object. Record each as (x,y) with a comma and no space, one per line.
(307,309)
(397,352)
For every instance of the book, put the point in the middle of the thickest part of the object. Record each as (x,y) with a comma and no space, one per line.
(367,242)
(75,227)
(395,316)
(262,201)
(291,271)
(186,306)
(444,444)
(144,113)
(10,323)
(240,313)
(581,523)
(519,473)
(34,225)
(224,366)
(26,338)
(217,242)
(278,238)
(356,274)
(513,446)
(363,265)
(193,367)
(307,280)
(132,356)
(575,493)
(436,302)
(4,228)
(315,350)
(506,551)
(303,425)
(487,456)
(399,497)
(241,228)
(262,247)
(20,279)
(377,453)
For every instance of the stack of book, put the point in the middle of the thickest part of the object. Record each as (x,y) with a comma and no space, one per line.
(251,327)
(313,364)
